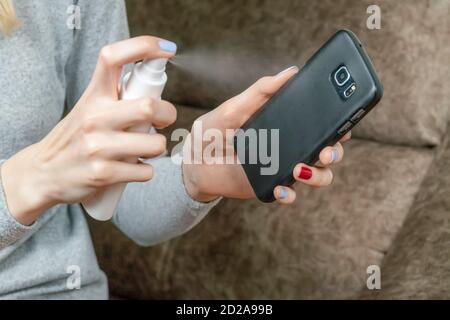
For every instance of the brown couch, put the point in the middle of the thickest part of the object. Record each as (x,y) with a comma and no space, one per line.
(389,204)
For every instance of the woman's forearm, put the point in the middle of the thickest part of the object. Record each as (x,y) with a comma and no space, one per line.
(161,209)
(11,229)
(26,187)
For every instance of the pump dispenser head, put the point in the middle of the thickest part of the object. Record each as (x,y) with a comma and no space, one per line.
(156,64)
(150,70)
(147,80)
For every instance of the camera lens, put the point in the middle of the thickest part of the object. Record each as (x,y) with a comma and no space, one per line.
(342,76)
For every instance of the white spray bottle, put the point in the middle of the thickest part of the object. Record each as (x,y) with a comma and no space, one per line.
(147,79)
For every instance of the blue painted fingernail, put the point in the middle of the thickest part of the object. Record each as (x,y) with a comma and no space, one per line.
(334,155)
(168,46)
(283,193)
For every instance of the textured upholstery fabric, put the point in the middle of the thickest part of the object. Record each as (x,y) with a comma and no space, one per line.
(319,248)
(418,264)
(227,45)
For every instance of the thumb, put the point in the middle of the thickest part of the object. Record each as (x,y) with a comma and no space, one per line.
(243,106)
(114,56)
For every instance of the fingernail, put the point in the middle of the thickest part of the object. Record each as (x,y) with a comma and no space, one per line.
(287,70)
(168,46)
(284,193)
(334,155)
(305,173)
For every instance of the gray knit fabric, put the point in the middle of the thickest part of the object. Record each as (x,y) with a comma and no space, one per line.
(43,65)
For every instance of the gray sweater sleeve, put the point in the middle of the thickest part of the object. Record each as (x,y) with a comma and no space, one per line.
(10,229)
(161,209)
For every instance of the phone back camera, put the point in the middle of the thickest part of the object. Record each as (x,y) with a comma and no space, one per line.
(342,76)
(343,82)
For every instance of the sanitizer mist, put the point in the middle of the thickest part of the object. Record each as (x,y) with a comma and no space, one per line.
(147,79)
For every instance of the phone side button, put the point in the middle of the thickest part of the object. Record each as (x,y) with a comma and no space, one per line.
(358,115)
(345,128)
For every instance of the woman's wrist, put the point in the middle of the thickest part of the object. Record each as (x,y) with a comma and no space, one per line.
(193,185)
(25,188)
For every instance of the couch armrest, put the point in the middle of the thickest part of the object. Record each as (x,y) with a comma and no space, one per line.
(417,265)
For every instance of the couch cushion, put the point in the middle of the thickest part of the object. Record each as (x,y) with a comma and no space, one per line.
(318,248)
(418,265)
(226,45)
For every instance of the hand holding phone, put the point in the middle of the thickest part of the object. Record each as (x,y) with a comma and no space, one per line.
(218,172)
(335,89)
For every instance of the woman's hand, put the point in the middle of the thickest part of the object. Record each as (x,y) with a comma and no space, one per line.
(209,180)
(83,153)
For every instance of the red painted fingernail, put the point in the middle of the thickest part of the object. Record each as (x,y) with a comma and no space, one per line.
(305,173)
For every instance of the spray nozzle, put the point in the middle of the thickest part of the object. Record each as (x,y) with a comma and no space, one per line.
(155,65)
(150,70)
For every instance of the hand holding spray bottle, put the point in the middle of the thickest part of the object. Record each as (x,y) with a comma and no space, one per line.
(147,79)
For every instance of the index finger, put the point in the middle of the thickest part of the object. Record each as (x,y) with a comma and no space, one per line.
(135,49)
(114,56)
(243,106)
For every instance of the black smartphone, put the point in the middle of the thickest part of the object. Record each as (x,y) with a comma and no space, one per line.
(335,89)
